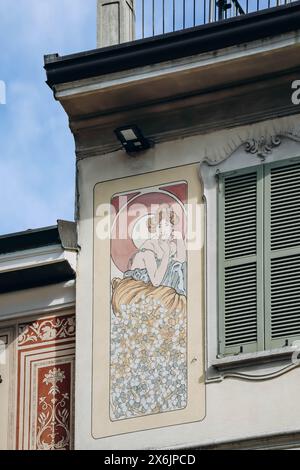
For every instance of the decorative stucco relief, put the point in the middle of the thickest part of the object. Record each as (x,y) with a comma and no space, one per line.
(264,146)
(258,139)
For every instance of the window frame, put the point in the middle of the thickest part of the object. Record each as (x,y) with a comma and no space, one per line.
(238,159)
(278,253)
(263,261)
(257,259)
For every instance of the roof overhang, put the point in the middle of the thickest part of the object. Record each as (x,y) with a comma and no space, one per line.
(37,276)
(173,46)
(205,78)
(38,257)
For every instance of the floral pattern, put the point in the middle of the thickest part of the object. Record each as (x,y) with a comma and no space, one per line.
(148,359)
(53,428)
(51,329)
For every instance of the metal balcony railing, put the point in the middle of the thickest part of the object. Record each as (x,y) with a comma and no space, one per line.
(155,17)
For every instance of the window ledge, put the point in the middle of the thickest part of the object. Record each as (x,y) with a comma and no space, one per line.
(249,359)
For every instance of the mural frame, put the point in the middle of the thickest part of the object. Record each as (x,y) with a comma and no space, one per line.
(102,424)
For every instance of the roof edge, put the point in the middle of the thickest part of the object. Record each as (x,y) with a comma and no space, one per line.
(63,234)
(171,46)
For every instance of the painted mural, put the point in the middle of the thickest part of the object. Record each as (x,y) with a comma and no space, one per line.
(45,386)
(148,365)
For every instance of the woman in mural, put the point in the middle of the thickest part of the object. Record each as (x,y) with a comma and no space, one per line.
(148,364)
(161,259)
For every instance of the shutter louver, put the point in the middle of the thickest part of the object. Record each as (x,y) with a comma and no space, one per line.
(285,296)
(282,248)
(240,305)
(239,215)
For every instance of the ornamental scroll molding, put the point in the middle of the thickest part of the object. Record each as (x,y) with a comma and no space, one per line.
(262,146)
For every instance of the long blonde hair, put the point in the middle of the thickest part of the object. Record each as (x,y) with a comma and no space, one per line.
(164,212)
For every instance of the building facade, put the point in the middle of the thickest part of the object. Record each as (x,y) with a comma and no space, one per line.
(37,338)
(187,256)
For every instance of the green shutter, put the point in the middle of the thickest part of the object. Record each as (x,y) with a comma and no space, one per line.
(240,226)
(282,253)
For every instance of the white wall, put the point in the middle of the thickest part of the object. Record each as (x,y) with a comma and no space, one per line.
(236,408)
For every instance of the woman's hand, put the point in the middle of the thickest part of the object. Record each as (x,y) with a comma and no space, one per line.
(155,272)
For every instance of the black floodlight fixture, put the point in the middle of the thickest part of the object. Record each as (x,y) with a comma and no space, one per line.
(132,139)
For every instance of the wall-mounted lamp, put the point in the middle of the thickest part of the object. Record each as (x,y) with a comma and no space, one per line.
(132,139)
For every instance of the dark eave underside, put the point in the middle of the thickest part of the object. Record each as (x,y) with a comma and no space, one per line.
(46,275)
(210,37)
(63,234)
(29,240)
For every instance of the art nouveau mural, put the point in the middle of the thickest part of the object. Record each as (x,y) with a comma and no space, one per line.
(148,371)
(148,316)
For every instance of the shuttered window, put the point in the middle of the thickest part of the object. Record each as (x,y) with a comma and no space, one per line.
(259,258)
(282,254)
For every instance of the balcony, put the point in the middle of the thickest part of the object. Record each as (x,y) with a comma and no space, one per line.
(204,77)
(155,17)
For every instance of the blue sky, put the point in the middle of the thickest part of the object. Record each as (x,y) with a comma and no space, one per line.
(36,145)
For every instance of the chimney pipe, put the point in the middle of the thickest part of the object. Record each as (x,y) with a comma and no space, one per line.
(115,22)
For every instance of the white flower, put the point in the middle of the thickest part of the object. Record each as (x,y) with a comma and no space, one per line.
(48,333)
(54,376)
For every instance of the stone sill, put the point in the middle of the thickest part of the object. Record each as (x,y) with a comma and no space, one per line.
(250,359)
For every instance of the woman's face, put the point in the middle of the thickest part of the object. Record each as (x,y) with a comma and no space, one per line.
(164,230)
